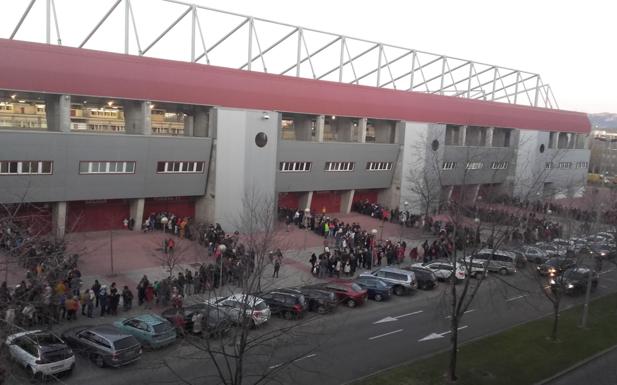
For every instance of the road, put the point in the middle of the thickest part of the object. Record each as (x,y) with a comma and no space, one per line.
(350,343)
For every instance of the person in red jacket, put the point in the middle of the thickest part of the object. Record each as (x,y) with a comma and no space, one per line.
(149,296)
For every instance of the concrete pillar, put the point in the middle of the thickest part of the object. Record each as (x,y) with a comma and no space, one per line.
(188,125)
(320,125)
(201,122)
(137,117)
(362,123)
(58,113)
(346,201)
(58,219)
(462,135)
(305,200)
(137,212)
(489,136)
(303,128)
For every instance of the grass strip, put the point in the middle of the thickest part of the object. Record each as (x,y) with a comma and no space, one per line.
(518,356)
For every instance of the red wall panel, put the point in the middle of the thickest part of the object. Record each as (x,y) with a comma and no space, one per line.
(97,215)
(289,200)
(364,195)
(179,206)
(328,200)
(36,217)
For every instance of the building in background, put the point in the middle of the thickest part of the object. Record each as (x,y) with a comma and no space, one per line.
(603,158)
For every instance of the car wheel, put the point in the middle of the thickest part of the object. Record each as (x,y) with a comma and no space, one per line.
(252,324)
(378,297)
(477,275)
(351,303)
(34,375)
(321,309)
(538,261)
(288,315)
(503,271)
(398,290)
(98,361)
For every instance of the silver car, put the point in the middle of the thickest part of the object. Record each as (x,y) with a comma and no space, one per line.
(402,281)
(255,309)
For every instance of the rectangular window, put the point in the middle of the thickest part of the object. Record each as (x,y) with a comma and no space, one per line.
(499,165)
(294,166)
(29,167)
(448,165)
(474,165)
(378,166)
(582,164)
(339,166)
(115,167)
(183,167)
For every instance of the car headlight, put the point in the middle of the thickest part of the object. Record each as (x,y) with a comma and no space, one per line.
(552,282)
(603,254)
(570,286)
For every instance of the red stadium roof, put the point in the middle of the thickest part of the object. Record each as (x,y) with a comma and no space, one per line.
(35,67)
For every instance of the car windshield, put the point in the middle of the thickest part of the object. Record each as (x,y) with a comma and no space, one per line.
(555,262)
(260,306)
(575,274)
(125,343)
(161,328)
(355,287)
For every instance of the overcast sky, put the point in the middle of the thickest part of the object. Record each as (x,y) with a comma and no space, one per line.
(571,44)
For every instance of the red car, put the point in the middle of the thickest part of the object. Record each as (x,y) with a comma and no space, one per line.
(346,292)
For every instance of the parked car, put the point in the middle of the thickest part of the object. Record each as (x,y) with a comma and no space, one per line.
(443,270)
(520,258)
(239,306)
(425,278)
(478,268)
(564,244)
(151,330)
(578,243)
(349,293)
(500,261)
(555,266)
(551,250)
(213,323)
(403,281)
(377,289)
(105,345)
(320,301)
(289,303)
(41,353)
(574,280)
(534,254)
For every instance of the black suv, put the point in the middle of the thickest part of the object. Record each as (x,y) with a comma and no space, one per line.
(105,345)
(574,280)
(319,300)
(425,277)
(287,303)
(214,322)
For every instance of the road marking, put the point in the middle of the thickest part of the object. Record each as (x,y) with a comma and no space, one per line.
(385,334)
(296,360)
(392,319)
(609,279)
(434,336)
(465,312)
(515,298)
(607,271)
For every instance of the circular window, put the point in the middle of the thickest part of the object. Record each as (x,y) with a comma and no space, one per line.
(541,148)
(261,139)
(435,145)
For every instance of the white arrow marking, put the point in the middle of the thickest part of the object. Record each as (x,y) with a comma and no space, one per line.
(468,311)
(387,319)
(434,336)
(392,319)
(515,298)
(607,271)
(385,334)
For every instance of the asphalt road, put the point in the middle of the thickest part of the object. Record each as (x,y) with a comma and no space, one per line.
(350,343)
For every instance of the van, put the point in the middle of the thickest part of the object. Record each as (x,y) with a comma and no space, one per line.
(499,261)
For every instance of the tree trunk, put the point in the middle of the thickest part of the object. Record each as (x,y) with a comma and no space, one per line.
(555,320)
(453,330)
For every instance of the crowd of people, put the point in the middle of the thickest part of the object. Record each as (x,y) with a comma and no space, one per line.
(166,222)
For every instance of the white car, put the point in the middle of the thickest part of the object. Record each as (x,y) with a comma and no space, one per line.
(255,308)
(443,269)
(41,353)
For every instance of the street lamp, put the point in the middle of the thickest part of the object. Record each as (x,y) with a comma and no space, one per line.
(222,249)
(372,243)
(306,220)
(403,215)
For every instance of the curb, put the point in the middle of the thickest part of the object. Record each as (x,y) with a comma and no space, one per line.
(576,366)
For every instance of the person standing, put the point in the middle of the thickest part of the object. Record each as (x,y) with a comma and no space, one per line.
(127,298)
(103,300)
(277,267)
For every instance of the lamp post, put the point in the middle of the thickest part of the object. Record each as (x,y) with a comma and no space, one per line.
(403,220)
(372,243)
(306,220)
(476,220)
(222,249)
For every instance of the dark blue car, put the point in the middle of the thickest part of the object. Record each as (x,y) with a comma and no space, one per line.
(377,289)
